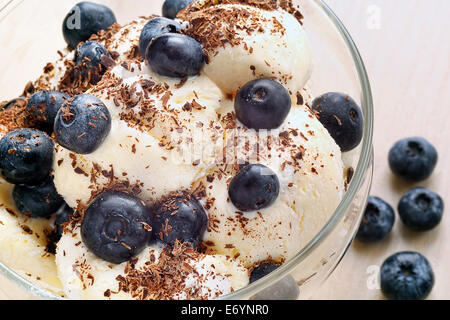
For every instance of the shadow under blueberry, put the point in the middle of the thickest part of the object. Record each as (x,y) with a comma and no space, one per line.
(411,236)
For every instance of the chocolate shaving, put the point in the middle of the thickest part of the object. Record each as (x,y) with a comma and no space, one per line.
(215,26)
(164,280)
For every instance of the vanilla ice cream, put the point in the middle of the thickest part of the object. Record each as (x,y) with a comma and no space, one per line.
(172,134)
(193,275)
(264,44)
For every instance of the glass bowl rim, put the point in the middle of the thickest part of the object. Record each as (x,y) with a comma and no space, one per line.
(357,181)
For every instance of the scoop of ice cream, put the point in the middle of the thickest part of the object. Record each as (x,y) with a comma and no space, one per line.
(161,132)
(23,243)
(157,273)
(309,166)
(243,42)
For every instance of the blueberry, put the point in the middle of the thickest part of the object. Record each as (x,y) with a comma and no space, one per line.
(262,270)
(406,276)
(377,222)
(42,108)
(62,216)
(89,61)
(84,20)
(342,117)
(175,55)
(180,217)
(154,28)
(413,159)
(82,124)
(171,8)
(26,156)
(116,227)
(262,104)
(39,201)
(255,187)
(421,209)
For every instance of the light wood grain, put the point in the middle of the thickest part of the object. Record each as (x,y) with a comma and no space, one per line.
(409,68)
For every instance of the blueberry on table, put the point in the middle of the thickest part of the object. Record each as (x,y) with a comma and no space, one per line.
(421,209)
(262,270)
(413,159)
(175,55)
(82,124)
(406,276)
(255,187)
(262,104)
(39,201)
(171,8)
(42,108)
(154,28)
(26,156)
(84,20)
(180,217)
(62,216)
(89,61)
(342,117)
(116,227)
(377,222)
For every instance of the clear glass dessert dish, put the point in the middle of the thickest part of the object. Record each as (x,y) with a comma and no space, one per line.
(30,33)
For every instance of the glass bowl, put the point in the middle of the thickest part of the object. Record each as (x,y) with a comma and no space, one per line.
(31,37)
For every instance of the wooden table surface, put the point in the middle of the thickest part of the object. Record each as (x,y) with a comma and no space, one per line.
(408,61)
(406,48)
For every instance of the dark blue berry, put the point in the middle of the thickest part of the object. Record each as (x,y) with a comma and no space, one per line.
(84,20)
(262,270)
(377,222)
(413,159)
(175,55)
(262,104)
(39,201)
(342,117)
(116,227)
(421,209)
(171,8)
(42,108)
(255,187)
(406,276)
(154,28)
(62,217)
(26,156)
(89,59)
(82,124)
(181,217)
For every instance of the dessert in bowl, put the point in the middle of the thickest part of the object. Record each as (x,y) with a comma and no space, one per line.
(184,158)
